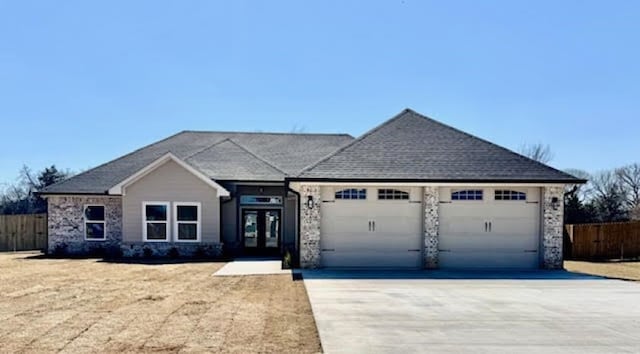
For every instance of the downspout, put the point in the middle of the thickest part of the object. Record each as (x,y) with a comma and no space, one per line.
(297,262)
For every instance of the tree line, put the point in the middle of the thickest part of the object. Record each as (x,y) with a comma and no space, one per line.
(608,196)
(22,196)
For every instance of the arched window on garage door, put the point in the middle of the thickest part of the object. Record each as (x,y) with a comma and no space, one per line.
(392,194)
(504,194)
(352,193)
(467,194)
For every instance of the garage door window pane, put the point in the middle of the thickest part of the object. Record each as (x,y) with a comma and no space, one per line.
(470,194)
(392,194)
(351,193)
(510,195)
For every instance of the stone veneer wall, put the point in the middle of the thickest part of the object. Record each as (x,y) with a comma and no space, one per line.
(552,224)
(170,249)
(431,226)
(66,224)
(66,233)
(310,227)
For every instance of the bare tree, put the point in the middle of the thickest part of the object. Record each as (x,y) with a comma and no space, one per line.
(608,197)
(296,129)
(582,190)
(538,152)
(629,177)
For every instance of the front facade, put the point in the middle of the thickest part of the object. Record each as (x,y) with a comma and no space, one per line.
(411,193)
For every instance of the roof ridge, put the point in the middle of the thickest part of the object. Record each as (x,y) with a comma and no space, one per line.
(265,133)
(242,148)
(258,157)
(117,159)
(206,148)
(447,126)
(355,141)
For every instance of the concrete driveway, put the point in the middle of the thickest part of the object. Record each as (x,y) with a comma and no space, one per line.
(452,312)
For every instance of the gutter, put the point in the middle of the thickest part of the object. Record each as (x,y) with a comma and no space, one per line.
(435,180)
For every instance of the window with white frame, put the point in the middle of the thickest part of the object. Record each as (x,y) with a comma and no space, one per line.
(509,195)
(94,223)
(155,221)
(187,221)
(467,194)
(351,193)
(392,194)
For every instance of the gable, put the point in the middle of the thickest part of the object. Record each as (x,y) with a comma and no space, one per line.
(168,172)
(413,147)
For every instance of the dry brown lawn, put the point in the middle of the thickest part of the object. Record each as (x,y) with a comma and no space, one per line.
(85,305)
(619,270)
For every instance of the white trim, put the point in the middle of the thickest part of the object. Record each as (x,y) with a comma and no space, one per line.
(103,221)
(167,222)
(120,188)
(198,223)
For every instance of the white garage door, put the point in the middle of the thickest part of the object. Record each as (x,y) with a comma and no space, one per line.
(489,228)
(371,227)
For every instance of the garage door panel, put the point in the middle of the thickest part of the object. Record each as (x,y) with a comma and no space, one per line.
(370,259)
(340,242)
(488,243)
(463,225)
(345,224)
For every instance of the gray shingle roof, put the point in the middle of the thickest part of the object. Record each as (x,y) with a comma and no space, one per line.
(411,146)
(260,156)
(227,160)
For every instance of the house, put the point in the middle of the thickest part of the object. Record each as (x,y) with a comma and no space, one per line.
(411,193)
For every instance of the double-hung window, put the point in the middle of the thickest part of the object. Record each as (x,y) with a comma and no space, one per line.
(155,220)
(186,227)
(94,224)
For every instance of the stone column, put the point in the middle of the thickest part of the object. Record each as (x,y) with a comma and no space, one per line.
(310,227)
(431,226)
(552,224)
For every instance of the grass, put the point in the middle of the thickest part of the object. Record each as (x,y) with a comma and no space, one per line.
(629,270)
(85,305)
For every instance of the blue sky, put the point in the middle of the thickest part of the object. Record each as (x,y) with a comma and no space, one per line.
(85,82)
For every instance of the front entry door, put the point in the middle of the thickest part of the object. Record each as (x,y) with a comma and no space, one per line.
(261,231)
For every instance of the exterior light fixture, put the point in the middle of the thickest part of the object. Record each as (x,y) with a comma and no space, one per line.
(310,202)
(555,203)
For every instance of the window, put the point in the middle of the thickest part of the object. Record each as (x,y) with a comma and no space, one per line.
(470,194)
(94,225)
(187,222)
(257,199)
(351,194)
(392,194)
(155,221)
(510,195)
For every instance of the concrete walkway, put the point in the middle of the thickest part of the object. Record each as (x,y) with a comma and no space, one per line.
(252,267)
(454,312)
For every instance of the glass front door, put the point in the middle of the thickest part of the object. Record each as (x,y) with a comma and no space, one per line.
(261,231)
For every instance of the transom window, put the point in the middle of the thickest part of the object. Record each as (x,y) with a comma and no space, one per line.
(155,218)
(94,224)
(510,195)
(392,194)
(351,193)
(468,194)
(187,221)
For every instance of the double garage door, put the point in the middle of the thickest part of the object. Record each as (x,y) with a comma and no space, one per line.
(383,228)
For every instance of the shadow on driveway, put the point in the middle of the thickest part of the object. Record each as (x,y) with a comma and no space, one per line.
(445,274)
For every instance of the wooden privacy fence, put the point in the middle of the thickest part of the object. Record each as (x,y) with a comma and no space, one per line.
(23,232)
(603,241)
